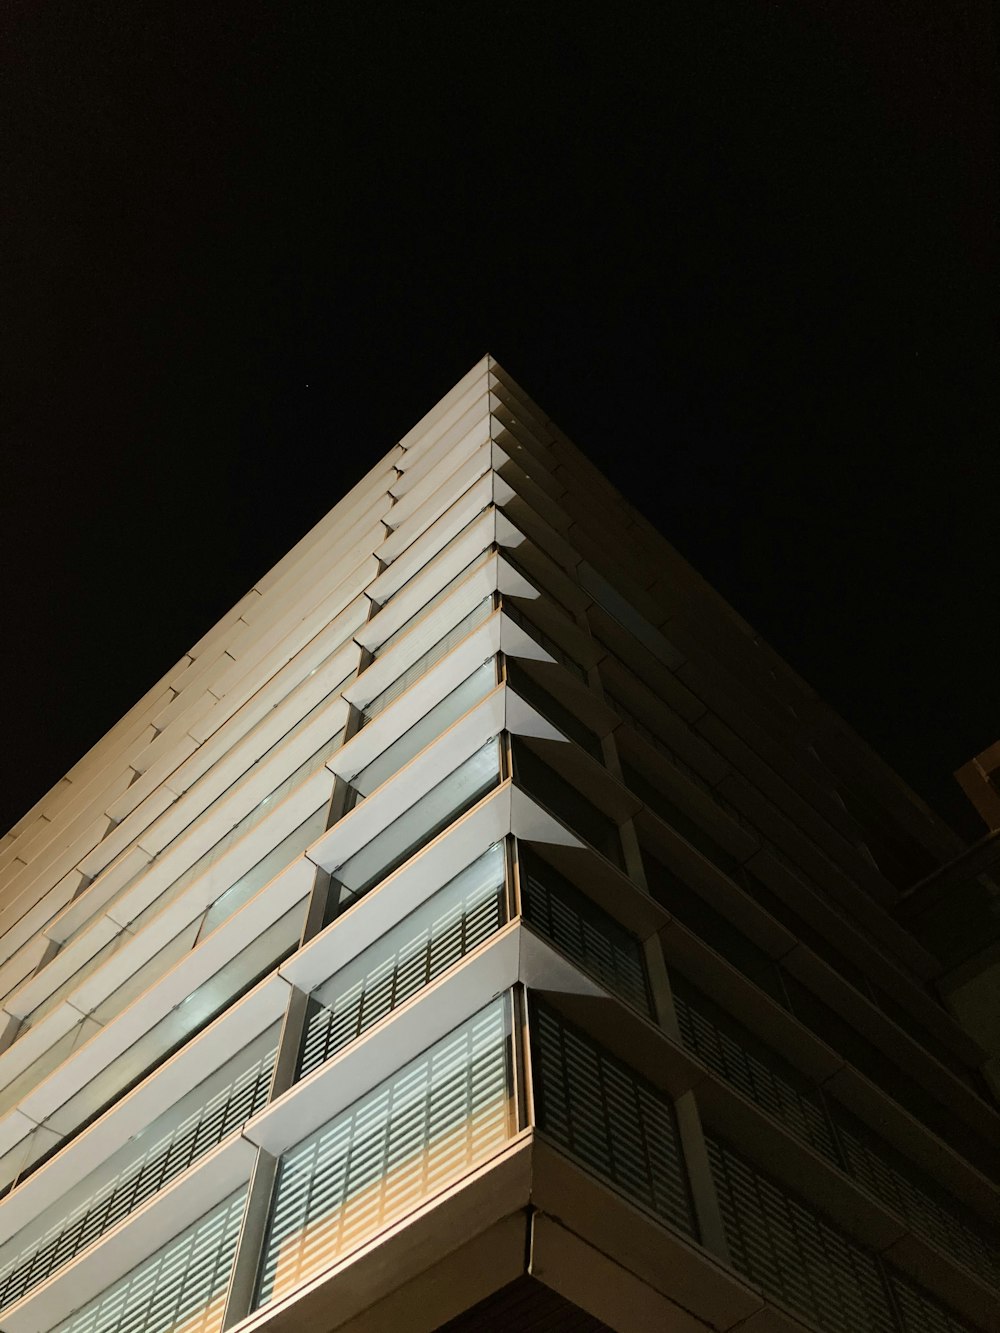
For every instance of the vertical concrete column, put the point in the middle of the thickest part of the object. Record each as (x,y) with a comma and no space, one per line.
(243,1281)
(689,1125)
(242,1284)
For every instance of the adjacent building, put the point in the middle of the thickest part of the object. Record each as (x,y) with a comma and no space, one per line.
(481,928)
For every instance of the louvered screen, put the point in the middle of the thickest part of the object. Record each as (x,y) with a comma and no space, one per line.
(920,1313)
(585,933)
(796,1256)
(608,1118)
(893,1180)
(760,1074)
(422,1128)
(424,663)
(181,1289)
(165,1159)
(462,914)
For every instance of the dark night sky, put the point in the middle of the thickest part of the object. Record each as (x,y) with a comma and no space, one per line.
(741,251)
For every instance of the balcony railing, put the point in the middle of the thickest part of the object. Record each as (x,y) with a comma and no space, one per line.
(419,1130)
(758,1072)
(451,923)
(482,611)
(608,1118)
(181,1289)
(445,802)
(172,1152)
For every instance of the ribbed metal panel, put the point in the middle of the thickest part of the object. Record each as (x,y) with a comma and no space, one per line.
(422,1128)
(164,1160)
(780,1243)
(608,1118)
(586,934)
(761,1075)
(460,916)
(424,663)
(181,1289)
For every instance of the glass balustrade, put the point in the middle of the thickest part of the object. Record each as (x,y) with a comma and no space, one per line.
(180,1289)
(426,729)
(424,1127)
(144,1166)
(448,925)
(608,1118)
(434,653)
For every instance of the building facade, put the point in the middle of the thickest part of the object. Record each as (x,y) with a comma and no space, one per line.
(481,928)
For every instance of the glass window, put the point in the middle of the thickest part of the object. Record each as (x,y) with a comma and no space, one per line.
(424,609)
(225,906)
(458,917)
(195,1012)
(671,814)
(43,1065)
(420,1129)
(431,813)
(688,907)
(554,650)
(283,786)
(426,729)
(146,1164)
(249,821)
(41,1010)
(434,654)
(560,716)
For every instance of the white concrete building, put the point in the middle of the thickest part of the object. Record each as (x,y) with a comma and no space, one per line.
(480,926)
